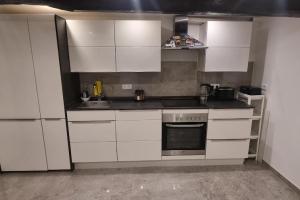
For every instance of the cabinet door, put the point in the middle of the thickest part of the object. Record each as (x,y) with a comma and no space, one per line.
(139,150)
(92,59)
(138,59)
(229,129)
(139,130)
(229,34)
(22,146)
(98,131)
(226,59)
(90,33)
(93,152)
(227,149)
(132,33)
(56,143)
(18,89)
(46,64)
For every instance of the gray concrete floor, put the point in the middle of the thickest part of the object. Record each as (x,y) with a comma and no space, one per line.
(249,182)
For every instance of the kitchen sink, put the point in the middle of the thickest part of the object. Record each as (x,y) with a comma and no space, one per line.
(95,104)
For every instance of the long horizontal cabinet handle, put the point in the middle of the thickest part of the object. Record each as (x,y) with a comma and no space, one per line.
(184,126)
(231,119)
(91,122)
(219,140)
(53,119)
(19,120)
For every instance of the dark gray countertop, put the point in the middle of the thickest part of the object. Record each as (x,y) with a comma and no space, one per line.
(163,103)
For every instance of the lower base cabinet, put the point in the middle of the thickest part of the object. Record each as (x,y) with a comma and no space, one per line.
(22,146)
(56,144)
(93,152)
(227,149)
(139,150)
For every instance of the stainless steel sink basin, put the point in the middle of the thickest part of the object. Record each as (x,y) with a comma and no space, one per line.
(95,104)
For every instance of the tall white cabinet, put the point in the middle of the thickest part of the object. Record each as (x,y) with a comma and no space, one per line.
(33,132)
(18,93)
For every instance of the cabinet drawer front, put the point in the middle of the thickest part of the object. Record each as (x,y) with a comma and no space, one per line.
(138,59)
(230,113)
(138,115)
(92,131)
(92,59)
(139,130)
(93,152)
(139,151)
(94,115)
(227,149)
(229,129)
(227,59)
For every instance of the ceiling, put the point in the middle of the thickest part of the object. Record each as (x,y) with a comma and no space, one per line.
(239,7)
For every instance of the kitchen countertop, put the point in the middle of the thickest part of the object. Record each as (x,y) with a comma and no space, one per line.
(163,103)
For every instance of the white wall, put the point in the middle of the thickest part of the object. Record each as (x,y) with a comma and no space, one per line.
(278,67)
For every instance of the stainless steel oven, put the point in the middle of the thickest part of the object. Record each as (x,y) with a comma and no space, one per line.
(184,134)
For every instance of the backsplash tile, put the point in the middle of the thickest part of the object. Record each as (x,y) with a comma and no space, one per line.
(176,79)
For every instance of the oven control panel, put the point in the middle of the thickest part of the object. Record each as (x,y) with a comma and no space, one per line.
(185,117)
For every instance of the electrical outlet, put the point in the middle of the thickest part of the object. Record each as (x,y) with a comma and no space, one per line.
(215,85)
(127,86)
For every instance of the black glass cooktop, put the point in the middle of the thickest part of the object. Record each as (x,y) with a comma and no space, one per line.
(182,103)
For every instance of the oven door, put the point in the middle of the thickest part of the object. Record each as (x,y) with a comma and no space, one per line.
(183,139)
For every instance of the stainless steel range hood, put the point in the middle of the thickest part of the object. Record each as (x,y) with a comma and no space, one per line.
(181,39)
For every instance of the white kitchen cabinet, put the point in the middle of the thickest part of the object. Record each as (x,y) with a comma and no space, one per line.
(226,59)
(22,146)
(149,130)
(56,143)
(92,136)
(18,93)
(139,150)
(228,133)
(93,131)
(93,152)
(91,45)
(138,45)
(46,63)
(139,135)
(97,33)
(229,128)
(92,59)
(228,45)
(138,33)
(138,59)
(228,33)
(227,149)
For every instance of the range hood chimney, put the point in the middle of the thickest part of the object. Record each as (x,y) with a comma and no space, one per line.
(181,26)
(181,38)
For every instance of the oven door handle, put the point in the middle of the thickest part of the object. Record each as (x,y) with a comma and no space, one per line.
(185,126)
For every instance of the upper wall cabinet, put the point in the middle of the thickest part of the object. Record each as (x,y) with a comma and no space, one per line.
(141,33)
(91,45)
(138,45)
(228,34)
(228,45)
(92,33)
